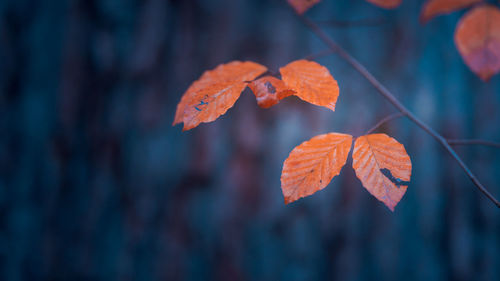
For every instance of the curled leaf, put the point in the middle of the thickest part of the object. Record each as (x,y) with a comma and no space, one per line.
(215,92)
(433,8)
(312,82)
(383,166)
(301,6)
(269,91)
(387,4)
(312,165)
(477,37)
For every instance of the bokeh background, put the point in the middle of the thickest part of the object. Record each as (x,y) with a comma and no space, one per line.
(95,183)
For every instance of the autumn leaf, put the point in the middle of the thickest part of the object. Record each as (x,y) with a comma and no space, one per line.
(215,92)
(387,4)
(312,82)
(477,37)
(301,6)
(433,8)
(312,165)
(382,165)
(269,91)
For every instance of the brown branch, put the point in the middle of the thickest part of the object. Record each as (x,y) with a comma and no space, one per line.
(473,142)
(394,101)
(385,120)
(457,142)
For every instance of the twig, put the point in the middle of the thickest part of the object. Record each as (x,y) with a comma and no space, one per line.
(474,142)
(353,23)
(457,142)
(318,54)
(392,99)
(385,120)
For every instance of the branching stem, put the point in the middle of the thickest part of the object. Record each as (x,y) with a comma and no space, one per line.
(394,101)
(385,120)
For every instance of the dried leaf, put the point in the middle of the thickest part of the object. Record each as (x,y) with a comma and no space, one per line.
(433,8)
(383,166)
(215,92)
(477,37)
(301,6)
(269,91)
(387,4)
(312,165)
(312,82)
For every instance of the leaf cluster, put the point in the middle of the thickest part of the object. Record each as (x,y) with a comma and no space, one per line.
(380,162)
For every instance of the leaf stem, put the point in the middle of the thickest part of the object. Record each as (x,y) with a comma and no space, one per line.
(394,101)
(385,120)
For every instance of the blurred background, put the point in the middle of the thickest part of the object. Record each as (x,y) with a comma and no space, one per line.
(95,183)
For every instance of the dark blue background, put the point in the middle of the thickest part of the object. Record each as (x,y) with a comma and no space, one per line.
(95,183)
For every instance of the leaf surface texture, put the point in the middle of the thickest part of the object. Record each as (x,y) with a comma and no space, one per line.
(312,165)
(383,166)
(215,92)
(312,82)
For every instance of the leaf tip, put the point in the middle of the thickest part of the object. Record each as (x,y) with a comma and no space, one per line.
(423,19)
(176,121)
(485,75)
(188,127)
(301,6)
(424,13)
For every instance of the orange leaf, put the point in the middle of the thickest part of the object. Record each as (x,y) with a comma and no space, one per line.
(312,165)
(215,92)
(312,82)
(382,165)
(433,8)
(301,6)
(388,4)
(269,91)
(477,37)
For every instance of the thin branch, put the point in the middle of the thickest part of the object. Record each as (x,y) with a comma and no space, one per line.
(385,120)
(473,142)
(319,54)
(394,101)
(353,23)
